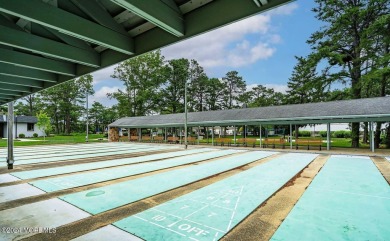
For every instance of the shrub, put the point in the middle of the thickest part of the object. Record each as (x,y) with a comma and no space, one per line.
(342,134)
(35,135)
(21,135)
(105,135)
(323,133)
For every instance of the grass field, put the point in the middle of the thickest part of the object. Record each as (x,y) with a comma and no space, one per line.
(57,139)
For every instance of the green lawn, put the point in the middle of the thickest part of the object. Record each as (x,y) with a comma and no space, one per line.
(57,139)
(336,142)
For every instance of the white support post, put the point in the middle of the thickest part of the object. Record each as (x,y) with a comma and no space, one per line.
(328,137)
(220,131)
(260,143)
(198,133)
(291,143)
(372,142)
(165,133)
(180,135)
(212,136)
(235,134)
(10,141)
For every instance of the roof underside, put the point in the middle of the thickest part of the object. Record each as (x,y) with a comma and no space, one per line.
(47,42)
(361,110)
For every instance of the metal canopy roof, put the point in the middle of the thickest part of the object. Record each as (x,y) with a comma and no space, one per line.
(47,42)
(360,110)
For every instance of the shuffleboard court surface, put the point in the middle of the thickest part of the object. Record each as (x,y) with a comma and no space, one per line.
(82,179)
(79,156)
(20,151)
(44,215)
(388,158)
(210,212)
(348,200)
(66,151)
(108,233)
(102,164)
(112,196)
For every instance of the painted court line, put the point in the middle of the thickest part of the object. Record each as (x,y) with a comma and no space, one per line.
(388,158)
(70,157)
(44,215)
(82,179)
(341,207)
(102,164)
(210,212)
(112,196)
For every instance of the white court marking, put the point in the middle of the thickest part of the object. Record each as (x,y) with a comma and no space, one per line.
(46,215)
(14,192)
(8,178)
(107,233)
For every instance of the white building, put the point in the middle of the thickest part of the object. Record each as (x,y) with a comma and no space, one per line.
(23,125)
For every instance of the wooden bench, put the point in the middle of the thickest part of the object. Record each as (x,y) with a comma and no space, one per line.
(223,141)
(308,143)
(246,141)
(146,139)
(158,139)
(123,138)
(173,139)
(273,142)
(191,140)
(133,138)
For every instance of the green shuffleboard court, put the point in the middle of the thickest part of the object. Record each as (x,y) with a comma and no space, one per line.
(81,179)
(71,151)
(348,200)
(21,151)
(112,196)
(78,156)
(102,164)
(210,212)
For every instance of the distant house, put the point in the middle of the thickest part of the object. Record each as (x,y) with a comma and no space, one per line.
(23,124)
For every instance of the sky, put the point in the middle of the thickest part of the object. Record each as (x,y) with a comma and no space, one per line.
(261,48)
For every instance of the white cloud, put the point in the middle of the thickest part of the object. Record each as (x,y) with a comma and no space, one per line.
(278,88)
(229,46)
(286,9)
(101,95)
(103,74)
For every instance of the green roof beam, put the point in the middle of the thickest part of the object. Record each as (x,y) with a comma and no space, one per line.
(36,62)
(15,88)
(36,44)
(70,24)
(12,94)
(16,71)
(158,13)
(20,81)
(100,15)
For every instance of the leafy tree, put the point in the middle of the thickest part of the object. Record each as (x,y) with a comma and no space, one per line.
(261,96)
(345,43)
(141,76)
(214,94)
(234,87)
(177,73)
(197,87)
(304,85)
(44,123)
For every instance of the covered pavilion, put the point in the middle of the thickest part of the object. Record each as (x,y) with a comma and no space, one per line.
(345,111)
